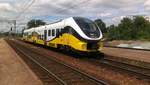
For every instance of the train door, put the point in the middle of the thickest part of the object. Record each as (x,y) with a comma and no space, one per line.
(66,30)
(45,36)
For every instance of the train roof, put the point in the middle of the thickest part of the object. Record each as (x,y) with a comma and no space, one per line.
(41,27)
(53,24)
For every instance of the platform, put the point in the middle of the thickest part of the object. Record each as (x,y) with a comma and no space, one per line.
(13,70)
(139,55)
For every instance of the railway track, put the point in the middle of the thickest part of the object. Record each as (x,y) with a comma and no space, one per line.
(139,72)
(54,72)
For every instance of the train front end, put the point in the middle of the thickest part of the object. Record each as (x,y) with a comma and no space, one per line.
(89,35)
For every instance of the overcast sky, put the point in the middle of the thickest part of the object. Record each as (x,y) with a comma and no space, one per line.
(110,11)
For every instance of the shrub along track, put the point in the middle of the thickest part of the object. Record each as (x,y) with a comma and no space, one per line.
(52,71)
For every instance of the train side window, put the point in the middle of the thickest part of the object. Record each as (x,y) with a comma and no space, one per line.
(72,31)
(39,37)
(42,37)
(53,32)
(62,30)
(57,31)
(49,32)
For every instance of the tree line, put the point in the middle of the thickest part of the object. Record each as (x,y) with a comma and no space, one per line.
(137,28)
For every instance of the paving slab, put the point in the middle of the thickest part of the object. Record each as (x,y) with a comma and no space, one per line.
(13,70)
(139,55)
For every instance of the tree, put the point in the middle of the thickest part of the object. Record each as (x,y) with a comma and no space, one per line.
(141,27)
(112,33)
(101,25)
(35,23)
(125,29)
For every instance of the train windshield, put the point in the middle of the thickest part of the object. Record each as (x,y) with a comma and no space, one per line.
(88,27)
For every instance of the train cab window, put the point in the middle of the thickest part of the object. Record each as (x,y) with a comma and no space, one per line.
(88,27)
(49,32)
(53,32)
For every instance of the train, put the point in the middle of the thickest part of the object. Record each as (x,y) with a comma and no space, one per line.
(77,34)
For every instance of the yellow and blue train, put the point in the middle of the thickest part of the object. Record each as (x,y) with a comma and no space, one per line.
(74,33)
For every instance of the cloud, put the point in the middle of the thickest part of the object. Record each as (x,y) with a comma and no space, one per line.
(110,11)
(6,7)
(104,14)
(147,5)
